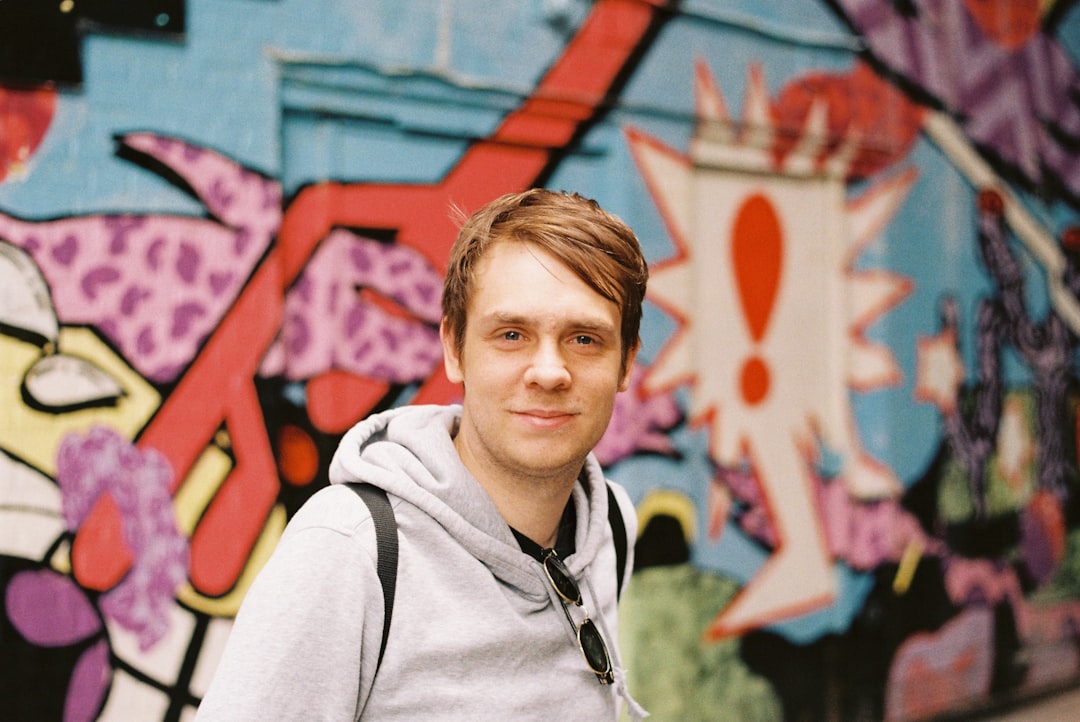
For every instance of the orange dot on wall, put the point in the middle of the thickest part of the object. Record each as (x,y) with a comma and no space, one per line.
(298,457)
(989,201)
(1070,239)
(754,380)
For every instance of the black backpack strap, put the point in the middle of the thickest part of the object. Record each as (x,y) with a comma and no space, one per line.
(618,531)
(382,514)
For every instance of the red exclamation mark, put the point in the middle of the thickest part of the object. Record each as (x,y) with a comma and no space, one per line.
(756,250)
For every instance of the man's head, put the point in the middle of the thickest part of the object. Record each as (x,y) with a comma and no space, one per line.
(596,245)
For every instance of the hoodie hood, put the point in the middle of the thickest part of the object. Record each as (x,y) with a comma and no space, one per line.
(409,452)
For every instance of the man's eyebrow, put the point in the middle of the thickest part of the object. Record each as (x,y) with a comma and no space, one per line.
(517,319)
(590,325)
(502,317)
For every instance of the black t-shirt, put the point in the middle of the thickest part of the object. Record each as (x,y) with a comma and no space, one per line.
(564,540)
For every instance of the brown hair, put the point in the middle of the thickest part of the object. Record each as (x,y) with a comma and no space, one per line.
(596,245)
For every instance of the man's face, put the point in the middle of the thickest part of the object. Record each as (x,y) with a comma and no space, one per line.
(541,363)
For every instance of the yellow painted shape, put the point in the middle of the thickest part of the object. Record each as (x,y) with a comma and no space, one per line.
(665,502)
(34,436)
(228,605)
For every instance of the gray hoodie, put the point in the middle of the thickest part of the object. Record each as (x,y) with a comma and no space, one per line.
(478,633)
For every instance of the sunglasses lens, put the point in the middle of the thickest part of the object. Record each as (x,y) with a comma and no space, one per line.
(562,581)
(594,649)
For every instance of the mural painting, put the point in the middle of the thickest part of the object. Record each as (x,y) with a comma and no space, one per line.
(852,432)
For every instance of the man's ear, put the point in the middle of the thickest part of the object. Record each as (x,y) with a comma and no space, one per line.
(451,357)
(628,366)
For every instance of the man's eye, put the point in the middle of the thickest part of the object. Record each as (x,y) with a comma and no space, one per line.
(511,335)
(584,340)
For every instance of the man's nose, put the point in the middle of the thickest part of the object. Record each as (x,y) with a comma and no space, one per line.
(548,367)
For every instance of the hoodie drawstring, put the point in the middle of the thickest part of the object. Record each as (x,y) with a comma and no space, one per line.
(636,711)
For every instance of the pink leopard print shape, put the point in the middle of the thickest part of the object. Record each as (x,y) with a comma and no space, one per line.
(157,285)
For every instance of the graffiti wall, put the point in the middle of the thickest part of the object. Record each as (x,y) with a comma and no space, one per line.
(851,434)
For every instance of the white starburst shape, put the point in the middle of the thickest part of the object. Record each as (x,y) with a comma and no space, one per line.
(770,320)
(939,370)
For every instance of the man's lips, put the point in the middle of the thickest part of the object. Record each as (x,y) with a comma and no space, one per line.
(545,417)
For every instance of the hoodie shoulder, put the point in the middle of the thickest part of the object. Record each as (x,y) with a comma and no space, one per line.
(334,508)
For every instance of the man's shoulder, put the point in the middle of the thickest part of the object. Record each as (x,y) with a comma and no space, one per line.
(335,507)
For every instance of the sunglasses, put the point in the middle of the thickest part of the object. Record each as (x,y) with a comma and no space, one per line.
(589,640)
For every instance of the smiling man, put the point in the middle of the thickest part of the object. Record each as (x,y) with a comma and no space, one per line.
(506,587)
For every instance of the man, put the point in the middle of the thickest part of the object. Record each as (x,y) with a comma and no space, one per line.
(502,511)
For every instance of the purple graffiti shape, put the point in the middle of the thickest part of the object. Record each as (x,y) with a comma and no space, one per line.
(638,423)
(49,610)
(1020,105)
(105,462)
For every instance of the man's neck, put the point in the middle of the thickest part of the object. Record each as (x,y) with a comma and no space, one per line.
(531,505)
(565,539)
(536,519)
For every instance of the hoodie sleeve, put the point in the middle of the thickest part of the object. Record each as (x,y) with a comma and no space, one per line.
(307,635)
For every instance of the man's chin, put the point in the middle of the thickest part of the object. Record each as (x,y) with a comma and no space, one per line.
(544,461)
